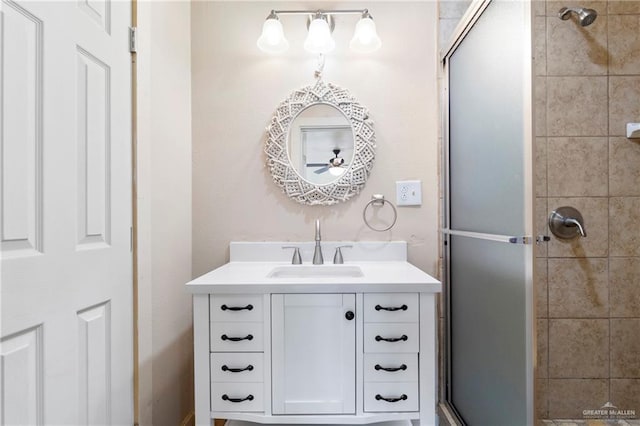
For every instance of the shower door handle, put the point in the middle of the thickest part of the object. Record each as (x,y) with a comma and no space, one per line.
(542,239)
(523,239)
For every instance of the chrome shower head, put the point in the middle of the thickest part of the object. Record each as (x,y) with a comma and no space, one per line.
(585,16)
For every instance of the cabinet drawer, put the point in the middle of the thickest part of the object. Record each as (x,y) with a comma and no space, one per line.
(391,307)
(391,338)
(391,367)
(241,307)
(400,396)
(236,336)
(237,367)
(237,396)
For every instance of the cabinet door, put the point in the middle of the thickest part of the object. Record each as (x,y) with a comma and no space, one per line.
(313,353)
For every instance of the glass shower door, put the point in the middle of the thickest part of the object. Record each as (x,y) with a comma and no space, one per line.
(488,218)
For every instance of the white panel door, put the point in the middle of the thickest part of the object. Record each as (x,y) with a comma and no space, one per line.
(313,353)
(65,213)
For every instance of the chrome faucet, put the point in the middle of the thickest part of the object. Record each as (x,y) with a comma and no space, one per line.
(317,254)
(570,221)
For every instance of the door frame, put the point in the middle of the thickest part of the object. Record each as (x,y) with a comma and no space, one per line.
(134,220)
(466,23)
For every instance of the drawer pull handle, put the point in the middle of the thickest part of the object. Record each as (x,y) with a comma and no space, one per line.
(237,339)
(401,398)
(237,370)
(403,367)
(404,338)
(391,308)
(249,307)
(226,397)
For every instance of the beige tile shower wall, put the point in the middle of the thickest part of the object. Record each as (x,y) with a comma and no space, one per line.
(236,89)
(587,89)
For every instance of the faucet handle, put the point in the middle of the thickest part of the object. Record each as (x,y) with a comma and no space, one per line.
(337,258)
(566,223)
(296,259)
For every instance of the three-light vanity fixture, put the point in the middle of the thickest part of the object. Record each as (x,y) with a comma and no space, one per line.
(320,24)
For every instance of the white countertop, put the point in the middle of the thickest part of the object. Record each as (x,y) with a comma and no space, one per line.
(383,265)
(252,277)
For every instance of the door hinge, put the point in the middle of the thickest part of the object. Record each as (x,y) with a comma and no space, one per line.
(133,39)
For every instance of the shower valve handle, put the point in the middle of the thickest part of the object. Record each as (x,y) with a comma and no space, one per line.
(567,223)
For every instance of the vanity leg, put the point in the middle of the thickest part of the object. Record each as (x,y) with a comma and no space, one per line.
(201,359)
(428,364)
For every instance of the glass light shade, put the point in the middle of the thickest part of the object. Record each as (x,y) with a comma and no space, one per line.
(272,38)
(319,38)
(336,171)
(365,37)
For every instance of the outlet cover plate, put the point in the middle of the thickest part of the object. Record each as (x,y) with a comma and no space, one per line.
(409,193)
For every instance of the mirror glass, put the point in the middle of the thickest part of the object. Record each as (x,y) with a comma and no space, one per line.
(320,144)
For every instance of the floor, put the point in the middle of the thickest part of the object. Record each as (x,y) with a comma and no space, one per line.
(635,422)
(447,419)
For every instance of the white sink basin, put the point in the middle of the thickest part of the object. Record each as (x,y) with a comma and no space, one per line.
(316,271)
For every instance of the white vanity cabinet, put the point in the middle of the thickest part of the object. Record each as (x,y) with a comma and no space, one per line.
(283,358)
(308,350)
(313,346)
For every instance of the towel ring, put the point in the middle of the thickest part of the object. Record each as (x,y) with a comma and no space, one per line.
(378,200)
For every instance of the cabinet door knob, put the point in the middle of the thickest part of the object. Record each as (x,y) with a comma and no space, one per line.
(349,315)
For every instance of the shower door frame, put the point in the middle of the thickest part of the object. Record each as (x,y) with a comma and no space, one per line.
(471,16)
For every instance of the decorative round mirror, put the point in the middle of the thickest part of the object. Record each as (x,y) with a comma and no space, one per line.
(320,145)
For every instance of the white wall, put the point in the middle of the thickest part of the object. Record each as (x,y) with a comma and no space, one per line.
(236,88)
(164,216)
(234,92)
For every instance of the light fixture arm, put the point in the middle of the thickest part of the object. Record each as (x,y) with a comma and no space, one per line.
(272,15)
(321,11)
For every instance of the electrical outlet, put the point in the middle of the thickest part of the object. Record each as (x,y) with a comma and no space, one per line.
(409,193)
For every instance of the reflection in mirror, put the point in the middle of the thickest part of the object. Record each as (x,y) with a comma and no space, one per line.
(320,143)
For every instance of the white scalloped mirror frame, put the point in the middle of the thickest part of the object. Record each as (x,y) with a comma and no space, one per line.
(284,174)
